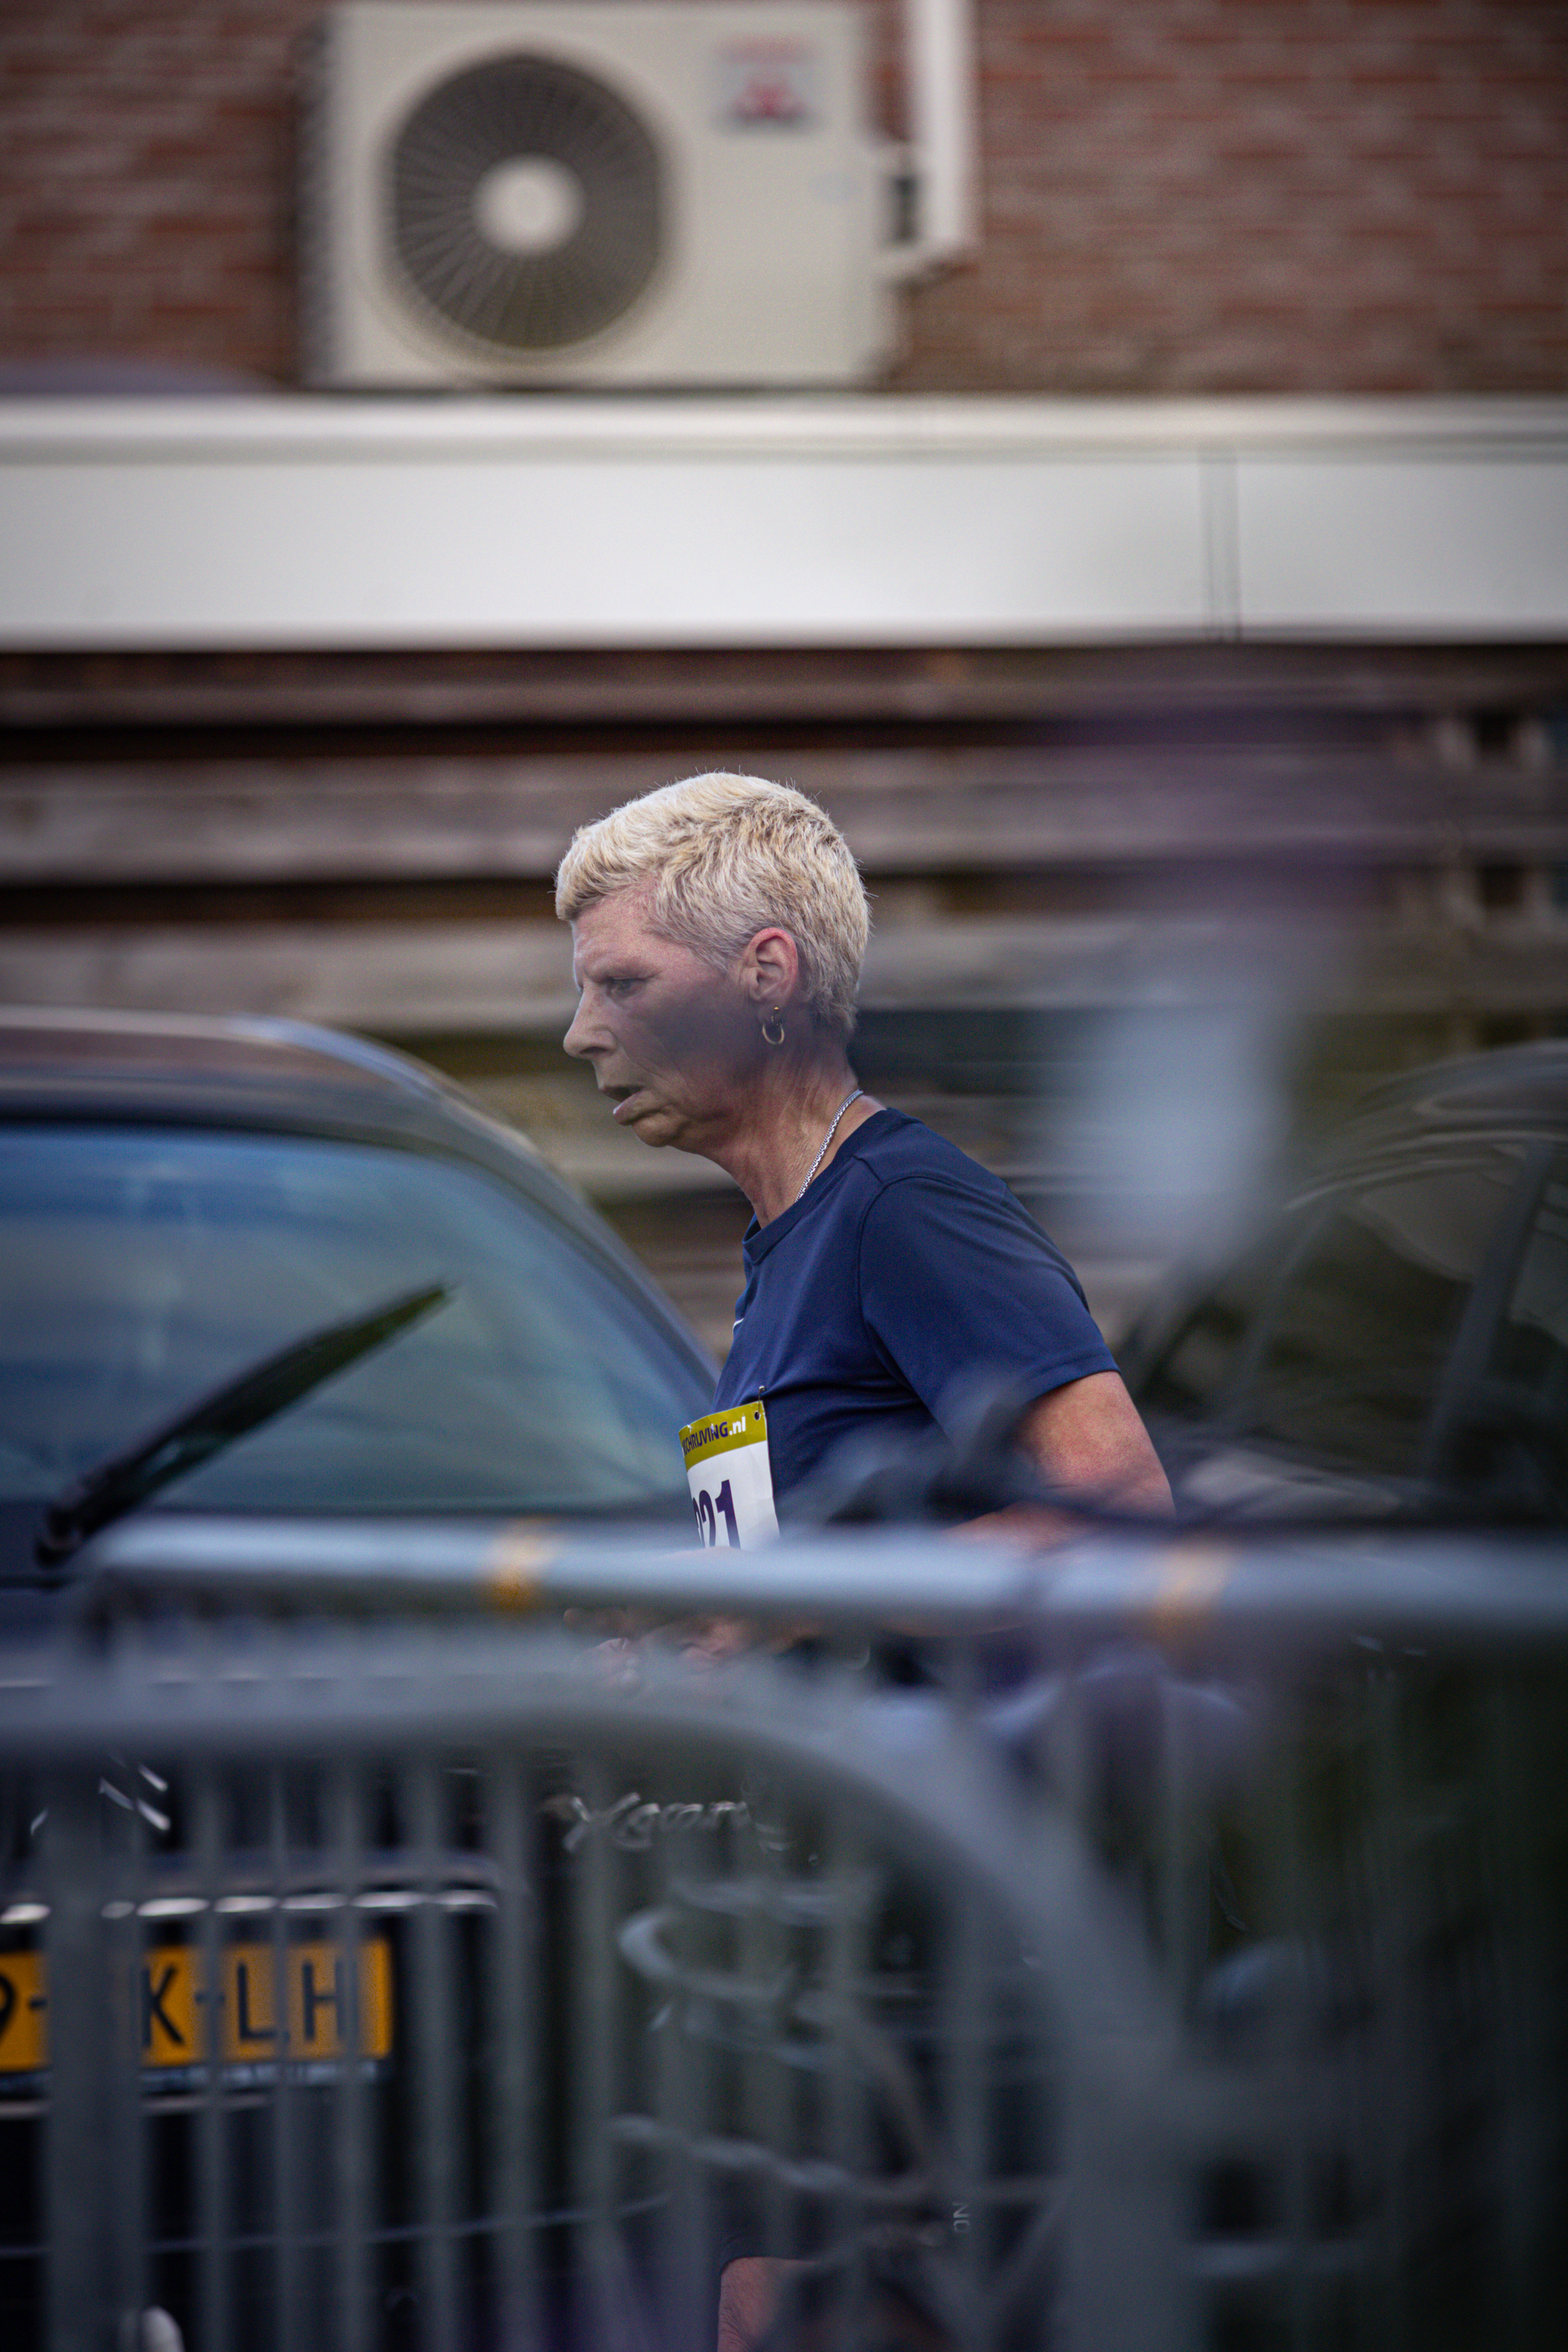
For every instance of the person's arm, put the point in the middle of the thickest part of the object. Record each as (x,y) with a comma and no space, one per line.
(750,2291)
(1087,1439)
(960,1292)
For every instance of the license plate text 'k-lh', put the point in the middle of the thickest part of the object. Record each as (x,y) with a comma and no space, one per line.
(173,2010)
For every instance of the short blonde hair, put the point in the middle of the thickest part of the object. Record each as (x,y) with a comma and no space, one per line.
(723,857)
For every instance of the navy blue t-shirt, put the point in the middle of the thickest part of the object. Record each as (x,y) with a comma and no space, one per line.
(906,1274)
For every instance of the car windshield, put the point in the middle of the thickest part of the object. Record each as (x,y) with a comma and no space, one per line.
(141,1267)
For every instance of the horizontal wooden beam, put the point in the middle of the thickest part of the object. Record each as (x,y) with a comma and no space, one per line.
(897,687)
(404,977)
(922,809)
(500,978)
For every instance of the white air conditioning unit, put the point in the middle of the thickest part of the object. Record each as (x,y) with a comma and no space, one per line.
(609,192)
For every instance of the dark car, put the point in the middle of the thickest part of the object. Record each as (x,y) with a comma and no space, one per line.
(1394,1336)
(249,1266)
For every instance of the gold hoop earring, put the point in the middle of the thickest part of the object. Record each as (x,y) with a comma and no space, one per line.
(774,1021)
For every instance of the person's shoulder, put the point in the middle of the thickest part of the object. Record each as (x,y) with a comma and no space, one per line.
(928,1196)
(897,1148)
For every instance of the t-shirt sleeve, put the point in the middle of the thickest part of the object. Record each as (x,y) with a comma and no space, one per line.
(957,1289)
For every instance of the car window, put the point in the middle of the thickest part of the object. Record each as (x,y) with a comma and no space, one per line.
(1195,1368)
(1347,1368)
(140,1268)
(1530,1350)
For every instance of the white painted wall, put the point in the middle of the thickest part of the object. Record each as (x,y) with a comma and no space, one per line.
(554,521)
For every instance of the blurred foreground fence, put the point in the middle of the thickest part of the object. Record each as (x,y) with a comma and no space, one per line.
(1166,1946)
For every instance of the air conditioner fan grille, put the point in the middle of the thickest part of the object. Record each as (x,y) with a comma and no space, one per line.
(524,110)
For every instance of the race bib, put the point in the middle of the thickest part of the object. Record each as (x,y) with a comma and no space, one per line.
(730,1475)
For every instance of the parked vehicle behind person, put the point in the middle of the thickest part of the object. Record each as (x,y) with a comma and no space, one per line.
(1392,1337)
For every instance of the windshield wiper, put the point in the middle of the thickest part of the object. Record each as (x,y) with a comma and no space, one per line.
(115,1486)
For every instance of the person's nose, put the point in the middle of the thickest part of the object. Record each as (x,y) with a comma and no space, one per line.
(583,1036)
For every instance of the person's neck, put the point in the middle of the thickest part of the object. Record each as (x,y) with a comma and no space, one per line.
(771,1150)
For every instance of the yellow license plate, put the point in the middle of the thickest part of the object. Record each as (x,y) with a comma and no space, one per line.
(173,2007)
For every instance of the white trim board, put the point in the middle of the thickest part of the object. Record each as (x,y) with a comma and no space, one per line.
(314,521)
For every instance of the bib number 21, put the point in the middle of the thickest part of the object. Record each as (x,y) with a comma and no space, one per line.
(727,1471)
(715,1512)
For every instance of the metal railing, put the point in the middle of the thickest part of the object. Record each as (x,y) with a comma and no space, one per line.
(1161,1946)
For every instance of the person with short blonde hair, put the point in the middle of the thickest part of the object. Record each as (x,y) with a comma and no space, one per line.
(718,927)
(723,856)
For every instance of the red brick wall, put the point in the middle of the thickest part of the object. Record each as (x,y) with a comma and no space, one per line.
(1181,195)
(144,180)
(1315,195)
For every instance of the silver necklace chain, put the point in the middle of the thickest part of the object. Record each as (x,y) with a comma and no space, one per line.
(827,1139)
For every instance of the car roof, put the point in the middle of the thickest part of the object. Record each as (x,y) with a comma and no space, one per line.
(1517,1092)
(93,1054)
(241,1071)
(1528,1080)
(244,1071)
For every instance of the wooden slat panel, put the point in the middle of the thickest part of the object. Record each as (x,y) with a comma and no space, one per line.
(795,685)
(506,978)
(404,977)
(932,810)
(1089,964)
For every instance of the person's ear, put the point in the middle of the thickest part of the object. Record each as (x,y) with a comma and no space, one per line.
(770,967)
